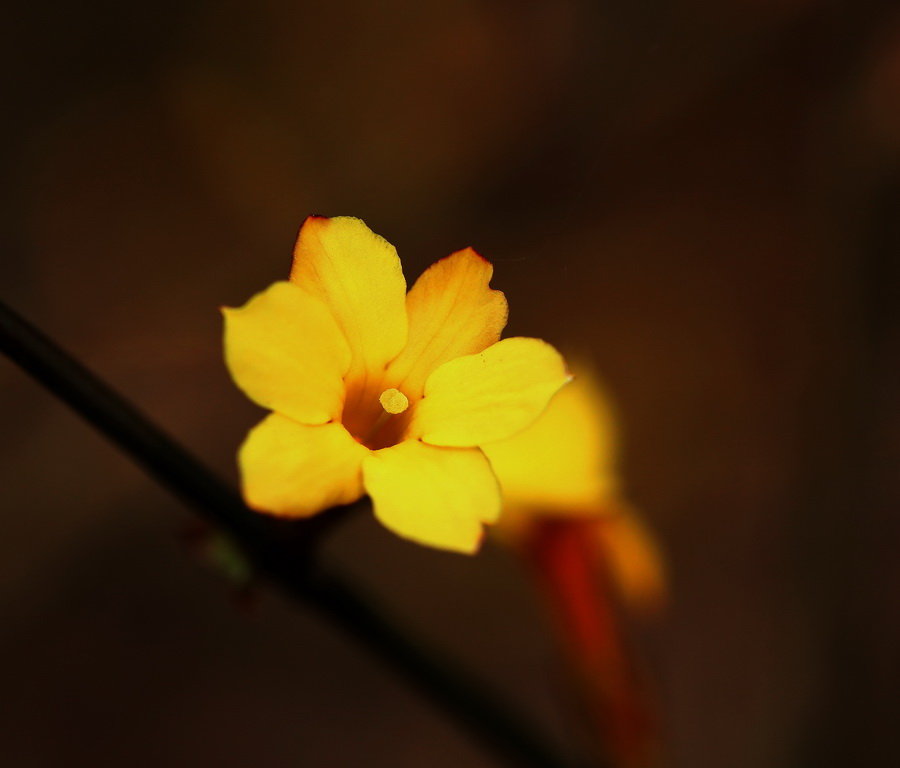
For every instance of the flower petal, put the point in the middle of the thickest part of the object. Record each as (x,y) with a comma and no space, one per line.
(286,352)
(452,312)
(434,496)
(634,559)
(565,461)
(358,274)
(295,470)
(489,396)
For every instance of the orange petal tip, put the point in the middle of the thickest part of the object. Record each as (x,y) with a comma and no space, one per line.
(315,219)
(470,250)
(481,256)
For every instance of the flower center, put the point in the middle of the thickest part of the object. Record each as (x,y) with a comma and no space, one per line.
(381,424)
(393,401)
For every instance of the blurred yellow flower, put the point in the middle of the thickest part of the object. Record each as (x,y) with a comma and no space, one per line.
(563,512)
(376,390)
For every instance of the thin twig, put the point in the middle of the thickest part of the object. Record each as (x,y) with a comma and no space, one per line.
(278,549)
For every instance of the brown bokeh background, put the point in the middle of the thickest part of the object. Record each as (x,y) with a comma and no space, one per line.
(702,196)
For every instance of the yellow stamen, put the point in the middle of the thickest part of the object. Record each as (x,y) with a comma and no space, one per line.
(393,401)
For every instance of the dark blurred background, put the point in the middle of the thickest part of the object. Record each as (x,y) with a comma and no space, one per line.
(701,195)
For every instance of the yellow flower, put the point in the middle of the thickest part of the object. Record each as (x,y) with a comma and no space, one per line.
(376,390)
(564,467)
(565,515)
